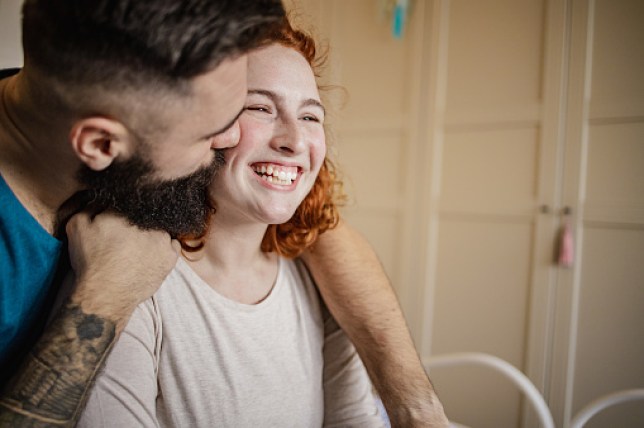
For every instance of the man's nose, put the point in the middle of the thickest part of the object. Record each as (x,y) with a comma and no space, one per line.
(228,138)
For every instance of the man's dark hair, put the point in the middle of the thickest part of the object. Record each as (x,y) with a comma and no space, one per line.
(129,43)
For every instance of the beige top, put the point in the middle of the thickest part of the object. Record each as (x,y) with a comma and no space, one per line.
(190,357)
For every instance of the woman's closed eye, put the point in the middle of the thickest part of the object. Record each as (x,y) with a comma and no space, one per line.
(311,118)
(258,108)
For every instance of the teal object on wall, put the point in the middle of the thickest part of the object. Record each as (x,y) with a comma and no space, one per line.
(399,18)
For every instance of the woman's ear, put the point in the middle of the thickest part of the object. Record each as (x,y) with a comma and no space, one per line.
(98,140)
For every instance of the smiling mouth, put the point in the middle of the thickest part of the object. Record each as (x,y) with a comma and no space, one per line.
(276,174)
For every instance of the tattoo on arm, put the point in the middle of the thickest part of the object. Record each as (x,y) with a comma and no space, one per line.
(52,385)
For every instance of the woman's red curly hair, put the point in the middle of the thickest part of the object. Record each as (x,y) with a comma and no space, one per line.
(318,212)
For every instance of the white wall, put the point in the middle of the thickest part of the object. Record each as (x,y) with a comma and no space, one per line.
(10,48)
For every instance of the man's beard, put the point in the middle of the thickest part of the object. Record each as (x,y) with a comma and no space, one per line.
(179,206)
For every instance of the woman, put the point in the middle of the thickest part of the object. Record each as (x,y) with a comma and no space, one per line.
(237,334)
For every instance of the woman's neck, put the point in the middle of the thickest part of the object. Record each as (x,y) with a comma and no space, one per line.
(232,262)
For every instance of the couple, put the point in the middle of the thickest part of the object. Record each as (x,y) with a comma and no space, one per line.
(118,104)
(237,334)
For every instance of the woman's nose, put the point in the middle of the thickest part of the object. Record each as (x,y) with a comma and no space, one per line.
(228,138)
(288,137)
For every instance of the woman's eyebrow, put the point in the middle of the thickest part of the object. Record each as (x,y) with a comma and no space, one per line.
(264,92)
(272,95)
(315,103)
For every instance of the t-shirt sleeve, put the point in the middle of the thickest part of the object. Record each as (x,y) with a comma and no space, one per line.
(126,390)
(348,395)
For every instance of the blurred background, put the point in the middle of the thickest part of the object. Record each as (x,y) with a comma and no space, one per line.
(470,136)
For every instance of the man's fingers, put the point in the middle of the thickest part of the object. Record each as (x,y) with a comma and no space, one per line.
(176,246)
(78,220)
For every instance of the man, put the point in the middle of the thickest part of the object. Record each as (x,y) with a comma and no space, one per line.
(118,109)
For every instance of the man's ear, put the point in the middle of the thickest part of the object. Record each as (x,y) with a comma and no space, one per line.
(98,140)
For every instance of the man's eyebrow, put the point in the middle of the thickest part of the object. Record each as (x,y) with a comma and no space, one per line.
(225,128)
(272,95)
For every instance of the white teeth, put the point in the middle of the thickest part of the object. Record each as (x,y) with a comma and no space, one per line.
(275,180)
(276,175)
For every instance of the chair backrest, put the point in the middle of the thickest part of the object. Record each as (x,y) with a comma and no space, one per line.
(602,402)
(505,368)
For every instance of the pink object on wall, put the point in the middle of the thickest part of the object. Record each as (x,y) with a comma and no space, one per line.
(566,246)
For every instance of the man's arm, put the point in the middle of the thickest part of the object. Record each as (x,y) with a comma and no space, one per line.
(117,266)
(52,383)
(358,294)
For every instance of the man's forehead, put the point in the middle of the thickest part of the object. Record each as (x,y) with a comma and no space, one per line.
(229,69)
(220,94)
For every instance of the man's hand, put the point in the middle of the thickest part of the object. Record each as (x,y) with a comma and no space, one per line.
(116,265)
(358,294)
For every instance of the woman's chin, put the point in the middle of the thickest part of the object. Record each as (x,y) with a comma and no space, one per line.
(279,217)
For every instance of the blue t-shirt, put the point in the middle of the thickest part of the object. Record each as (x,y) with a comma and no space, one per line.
(28,260)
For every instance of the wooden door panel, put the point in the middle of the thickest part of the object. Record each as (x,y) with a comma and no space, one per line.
(482,291)
(610,338)
(490,171)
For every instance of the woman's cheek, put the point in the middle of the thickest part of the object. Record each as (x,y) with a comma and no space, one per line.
(319,150)
(253,134)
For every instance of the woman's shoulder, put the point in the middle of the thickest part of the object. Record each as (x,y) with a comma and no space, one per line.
(303,283)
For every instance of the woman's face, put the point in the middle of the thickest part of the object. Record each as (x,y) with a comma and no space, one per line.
(282,144)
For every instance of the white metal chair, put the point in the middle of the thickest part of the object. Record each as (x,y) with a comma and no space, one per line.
(601,403)
(505,368)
